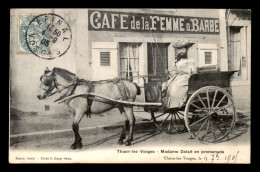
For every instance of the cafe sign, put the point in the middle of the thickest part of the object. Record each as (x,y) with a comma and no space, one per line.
(137,22)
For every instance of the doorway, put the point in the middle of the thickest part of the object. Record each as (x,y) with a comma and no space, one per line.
(157,59)
(237,51)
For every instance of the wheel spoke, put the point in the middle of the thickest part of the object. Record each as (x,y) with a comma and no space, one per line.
(224,122)
(175,119)
(219,129)
(221,100)
(201,126)
(201,101)
(170,124)
(196,106)
(160,115)
(198,121)
(172,120)
(180,113)
(229,114)
(207,130)
(214,135)
(214,98)
(223,108)
(169,127)
(225,128)
(207,92)
(165,120)
(180,119)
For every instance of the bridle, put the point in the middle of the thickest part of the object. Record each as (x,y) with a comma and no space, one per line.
(50,82)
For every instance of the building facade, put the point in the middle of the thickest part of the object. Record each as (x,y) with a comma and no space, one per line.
(110,43)
(220,37)
(238,28)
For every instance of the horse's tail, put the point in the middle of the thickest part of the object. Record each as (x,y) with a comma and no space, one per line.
(138,89)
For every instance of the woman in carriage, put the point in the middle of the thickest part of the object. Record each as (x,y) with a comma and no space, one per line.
(175,89)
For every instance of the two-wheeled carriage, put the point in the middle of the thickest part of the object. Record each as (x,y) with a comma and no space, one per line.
(208,114)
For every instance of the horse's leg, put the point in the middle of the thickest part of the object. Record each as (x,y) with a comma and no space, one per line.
(131,118)
(80,108)
(126,123)
(75,126)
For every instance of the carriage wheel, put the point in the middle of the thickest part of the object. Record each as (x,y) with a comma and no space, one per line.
(210,114)
(169,123)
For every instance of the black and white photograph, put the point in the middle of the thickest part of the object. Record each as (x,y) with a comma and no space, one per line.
(130,85)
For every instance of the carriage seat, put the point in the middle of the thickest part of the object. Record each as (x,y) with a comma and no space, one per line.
(211,68)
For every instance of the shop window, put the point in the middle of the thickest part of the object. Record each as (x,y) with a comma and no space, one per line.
(129,60)
(104,58)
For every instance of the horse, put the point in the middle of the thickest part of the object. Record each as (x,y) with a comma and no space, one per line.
(66,84)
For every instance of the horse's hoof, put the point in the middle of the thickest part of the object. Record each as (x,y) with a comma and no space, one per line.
(120,142)
(128,143)
(79,146)
(76,145)
(73,146)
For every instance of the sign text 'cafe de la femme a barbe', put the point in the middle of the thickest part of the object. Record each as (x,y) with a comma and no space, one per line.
(118,21)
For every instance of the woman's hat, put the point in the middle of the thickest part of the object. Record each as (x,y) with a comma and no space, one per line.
(181,43)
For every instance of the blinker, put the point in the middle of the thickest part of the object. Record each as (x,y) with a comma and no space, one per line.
(46,82)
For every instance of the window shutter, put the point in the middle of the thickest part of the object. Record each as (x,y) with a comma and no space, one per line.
(208,54)
(104,58)
(208,58)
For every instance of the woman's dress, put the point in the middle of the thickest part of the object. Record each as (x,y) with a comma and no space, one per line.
(177,86)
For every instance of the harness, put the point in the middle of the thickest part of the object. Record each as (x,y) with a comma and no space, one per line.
(124,91)
(71,88)
(90,98)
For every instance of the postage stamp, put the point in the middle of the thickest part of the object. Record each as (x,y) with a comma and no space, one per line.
(23,22)
(47,36)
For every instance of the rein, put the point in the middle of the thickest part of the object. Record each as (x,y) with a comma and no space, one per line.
(126,78)
(59,90)
(65,87)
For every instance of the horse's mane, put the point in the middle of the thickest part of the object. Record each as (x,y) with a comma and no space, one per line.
(67,75)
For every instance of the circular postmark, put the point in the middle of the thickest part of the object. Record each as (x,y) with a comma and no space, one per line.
(48,36)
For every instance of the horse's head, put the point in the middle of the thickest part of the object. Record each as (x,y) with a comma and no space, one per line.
(47,84)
